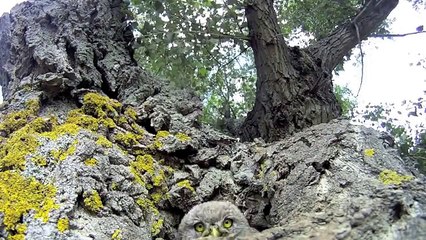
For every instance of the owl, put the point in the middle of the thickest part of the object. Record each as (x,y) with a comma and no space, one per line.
(214,219)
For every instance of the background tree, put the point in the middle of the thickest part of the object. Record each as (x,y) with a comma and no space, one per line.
(213,47)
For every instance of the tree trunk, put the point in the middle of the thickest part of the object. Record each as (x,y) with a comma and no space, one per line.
(294,88)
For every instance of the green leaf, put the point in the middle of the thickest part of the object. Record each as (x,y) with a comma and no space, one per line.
(202,72)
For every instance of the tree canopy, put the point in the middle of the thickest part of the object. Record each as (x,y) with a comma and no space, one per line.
(202,44)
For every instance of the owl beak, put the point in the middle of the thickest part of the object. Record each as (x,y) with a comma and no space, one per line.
(214,232)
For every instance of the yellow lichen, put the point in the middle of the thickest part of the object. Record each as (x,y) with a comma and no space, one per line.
(20,143)
(138,129)
(121,120)
(117,235)
(62,155)
(369,152)
(39,160)
(182,137)
(59,130)
(20,195)
(157,197)
(104,142)
(147,205)
(158,137)
(114,186)
(159,178)
(100,106)
(91,162)
(63,224)
(20,229)
(16,120)
(144,163)
(186,184)
(391,177)
(131,113)
(156,226)
(92,201)
(33,105)
(162,134)
(156,145)
(128,138)
(78,117)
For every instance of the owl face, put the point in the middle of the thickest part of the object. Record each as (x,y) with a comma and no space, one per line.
(212,219)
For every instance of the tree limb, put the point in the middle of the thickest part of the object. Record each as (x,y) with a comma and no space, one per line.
(331,49)
(392,35)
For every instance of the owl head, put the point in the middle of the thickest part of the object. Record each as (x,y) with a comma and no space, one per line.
(212,219)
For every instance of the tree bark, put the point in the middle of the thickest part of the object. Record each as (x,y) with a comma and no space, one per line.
(334,47)
(294,88)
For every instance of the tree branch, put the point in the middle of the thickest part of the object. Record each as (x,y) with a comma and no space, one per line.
(392,35)
(331,49)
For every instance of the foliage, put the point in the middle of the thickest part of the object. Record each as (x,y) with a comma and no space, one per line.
(346,100)
(408,129)
(202,45)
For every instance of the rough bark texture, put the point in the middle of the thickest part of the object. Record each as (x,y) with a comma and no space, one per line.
(294,89)
(156,162)
(333,48)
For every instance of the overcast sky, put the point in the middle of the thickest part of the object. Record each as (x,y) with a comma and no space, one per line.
(388,76)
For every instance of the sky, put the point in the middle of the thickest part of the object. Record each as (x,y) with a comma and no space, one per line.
(388,76)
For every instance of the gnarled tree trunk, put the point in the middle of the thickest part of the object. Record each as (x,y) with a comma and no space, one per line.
(294,88)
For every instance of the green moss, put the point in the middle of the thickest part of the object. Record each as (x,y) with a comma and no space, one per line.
(156,226)
(91,162)
(93,202)
(128,139)
(63,224)
(182,137)
(117,235)
(186,184)
(20,195)
(391,177)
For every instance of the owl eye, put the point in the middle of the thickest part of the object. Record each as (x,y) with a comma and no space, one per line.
(227,223)
(199,227)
